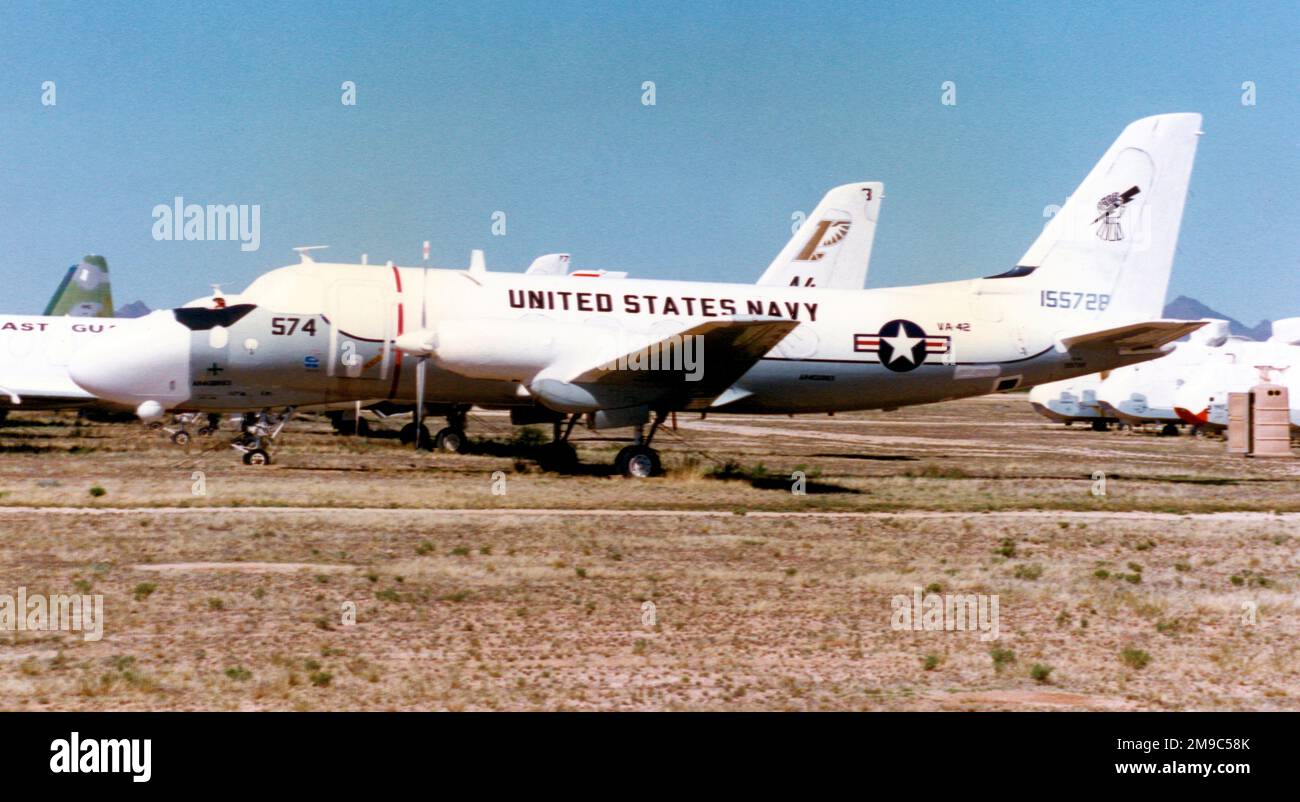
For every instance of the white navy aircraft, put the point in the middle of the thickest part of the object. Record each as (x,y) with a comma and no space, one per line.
(1085,297)
(831,248)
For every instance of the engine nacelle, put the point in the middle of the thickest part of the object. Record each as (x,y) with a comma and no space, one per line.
(564,396)
(505,350)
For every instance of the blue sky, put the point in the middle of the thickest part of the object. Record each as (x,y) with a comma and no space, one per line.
(535,110)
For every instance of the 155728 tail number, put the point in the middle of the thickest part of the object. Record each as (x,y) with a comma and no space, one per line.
(1066,299)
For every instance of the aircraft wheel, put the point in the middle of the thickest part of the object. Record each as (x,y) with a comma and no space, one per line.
(348,428)
(1100,426)
(257,456)
(407,435)
(204,431)
(638,462)
(559,456)
(181,438)
(1169,430)
(453,441)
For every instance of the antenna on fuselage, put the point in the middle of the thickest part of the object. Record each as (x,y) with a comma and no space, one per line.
(304,252)
(477,264)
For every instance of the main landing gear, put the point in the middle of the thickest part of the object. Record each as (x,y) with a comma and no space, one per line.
(407,435)
(639,460)
(349,426)
(559,454)
(450,439)
(259,431)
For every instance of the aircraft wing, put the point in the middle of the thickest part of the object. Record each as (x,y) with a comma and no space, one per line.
(1134,337)
(33,393)
(700,362)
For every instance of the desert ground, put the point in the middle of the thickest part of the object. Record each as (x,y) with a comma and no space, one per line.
(1131,571)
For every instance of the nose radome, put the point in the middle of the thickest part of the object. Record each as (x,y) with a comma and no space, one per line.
(146,359)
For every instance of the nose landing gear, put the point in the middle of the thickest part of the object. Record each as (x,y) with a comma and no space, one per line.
(181,423)
(259,432)
(211,427)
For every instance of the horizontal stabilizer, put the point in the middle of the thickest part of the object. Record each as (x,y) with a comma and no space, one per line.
(1146,336)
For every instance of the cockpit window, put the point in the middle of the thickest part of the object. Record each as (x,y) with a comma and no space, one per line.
(200,319)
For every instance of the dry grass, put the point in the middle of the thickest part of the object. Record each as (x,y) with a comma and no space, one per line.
(503,609)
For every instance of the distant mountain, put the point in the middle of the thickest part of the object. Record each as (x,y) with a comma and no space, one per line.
(133,309)
(1184,308)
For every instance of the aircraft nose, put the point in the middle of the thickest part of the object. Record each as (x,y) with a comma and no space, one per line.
(1193,418)
(146,359)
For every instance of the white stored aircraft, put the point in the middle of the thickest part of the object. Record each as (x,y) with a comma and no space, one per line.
(1085,297)
(1137,394)
(1140,394)
(1071,401)
(1203,399)
(35,349)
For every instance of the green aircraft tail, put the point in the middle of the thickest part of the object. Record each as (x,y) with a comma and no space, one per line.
(85,291)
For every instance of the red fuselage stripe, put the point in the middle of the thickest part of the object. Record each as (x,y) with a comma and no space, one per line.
(397,363)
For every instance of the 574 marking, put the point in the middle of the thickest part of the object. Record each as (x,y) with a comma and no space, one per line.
(286,326)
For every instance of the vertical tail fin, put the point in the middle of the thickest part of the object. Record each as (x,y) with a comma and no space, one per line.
(84,291)
(1107,253)
(832,249)
(551,264)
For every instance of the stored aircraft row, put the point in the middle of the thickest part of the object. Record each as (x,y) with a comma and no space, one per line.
(1190,386)
(626,352)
